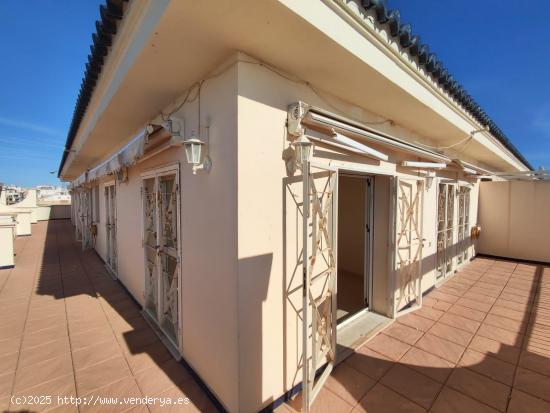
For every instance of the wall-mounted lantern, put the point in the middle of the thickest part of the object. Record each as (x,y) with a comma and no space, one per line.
(430,176)
(193,152)
(303,147)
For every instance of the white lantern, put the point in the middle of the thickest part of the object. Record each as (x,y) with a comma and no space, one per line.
(303,148)
(193,150)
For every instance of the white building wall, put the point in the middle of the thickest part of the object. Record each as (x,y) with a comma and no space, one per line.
(241,230)
(269,228)
(514,218)
(208,232)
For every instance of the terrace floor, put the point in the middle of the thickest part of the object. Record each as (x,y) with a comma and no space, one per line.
(67,329)
(480,343)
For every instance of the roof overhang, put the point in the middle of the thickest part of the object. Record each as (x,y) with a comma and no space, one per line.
(163,47)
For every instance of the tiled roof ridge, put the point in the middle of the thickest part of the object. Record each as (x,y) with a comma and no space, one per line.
(106,28)
(410,42)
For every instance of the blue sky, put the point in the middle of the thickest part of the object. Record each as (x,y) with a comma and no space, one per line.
(44,46)
(498,52)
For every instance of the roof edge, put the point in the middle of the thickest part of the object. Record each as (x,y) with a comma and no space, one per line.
(410,42)
(111,13)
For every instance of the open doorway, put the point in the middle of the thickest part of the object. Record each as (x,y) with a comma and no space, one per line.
(355,223)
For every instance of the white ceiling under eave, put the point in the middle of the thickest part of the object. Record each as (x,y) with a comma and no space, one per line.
(305,38)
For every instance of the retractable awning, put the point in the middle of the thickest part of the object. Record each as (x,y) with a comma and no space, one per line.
(127,156)
(143,145)
(302,115)
(338,140)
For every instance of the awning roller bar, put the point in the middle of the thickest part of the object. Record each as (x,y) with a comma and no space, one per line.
(425,165)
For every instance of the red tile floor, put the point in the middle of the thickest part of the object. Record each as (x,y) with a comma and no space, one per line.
(480,343)
(67,329)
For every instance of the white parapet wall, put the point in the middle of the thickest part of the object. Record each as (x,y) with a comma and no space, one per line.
(515,219)
(22,218)
(28,203)
(37,211)
(60,211)
(7,231)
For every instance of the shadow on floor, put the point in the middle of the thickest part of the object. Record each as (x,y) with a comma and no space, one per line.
(480,343)
(83,335)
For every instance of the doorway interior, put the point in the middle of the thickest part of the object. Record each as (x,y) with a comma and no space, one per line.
(355,241)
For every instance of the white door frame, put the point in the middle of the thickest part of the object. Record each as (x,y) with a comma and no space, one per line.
(156,173)
(446,251)
(309,388)
(110,222)
(417,224)
(463,253)
(86,215)
(321,343)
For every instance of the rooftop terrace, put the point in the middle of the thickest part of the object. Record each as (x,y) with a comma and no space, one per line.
(481,342)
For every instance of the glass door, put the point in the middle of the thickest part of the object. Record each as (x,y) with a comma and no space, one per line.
(77,198)
(445,229)
(463,224)
(150,245)
(168,254)
(319,252)
(160,192)
(408,240)
(466,235)
(86,217)
(110,226)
